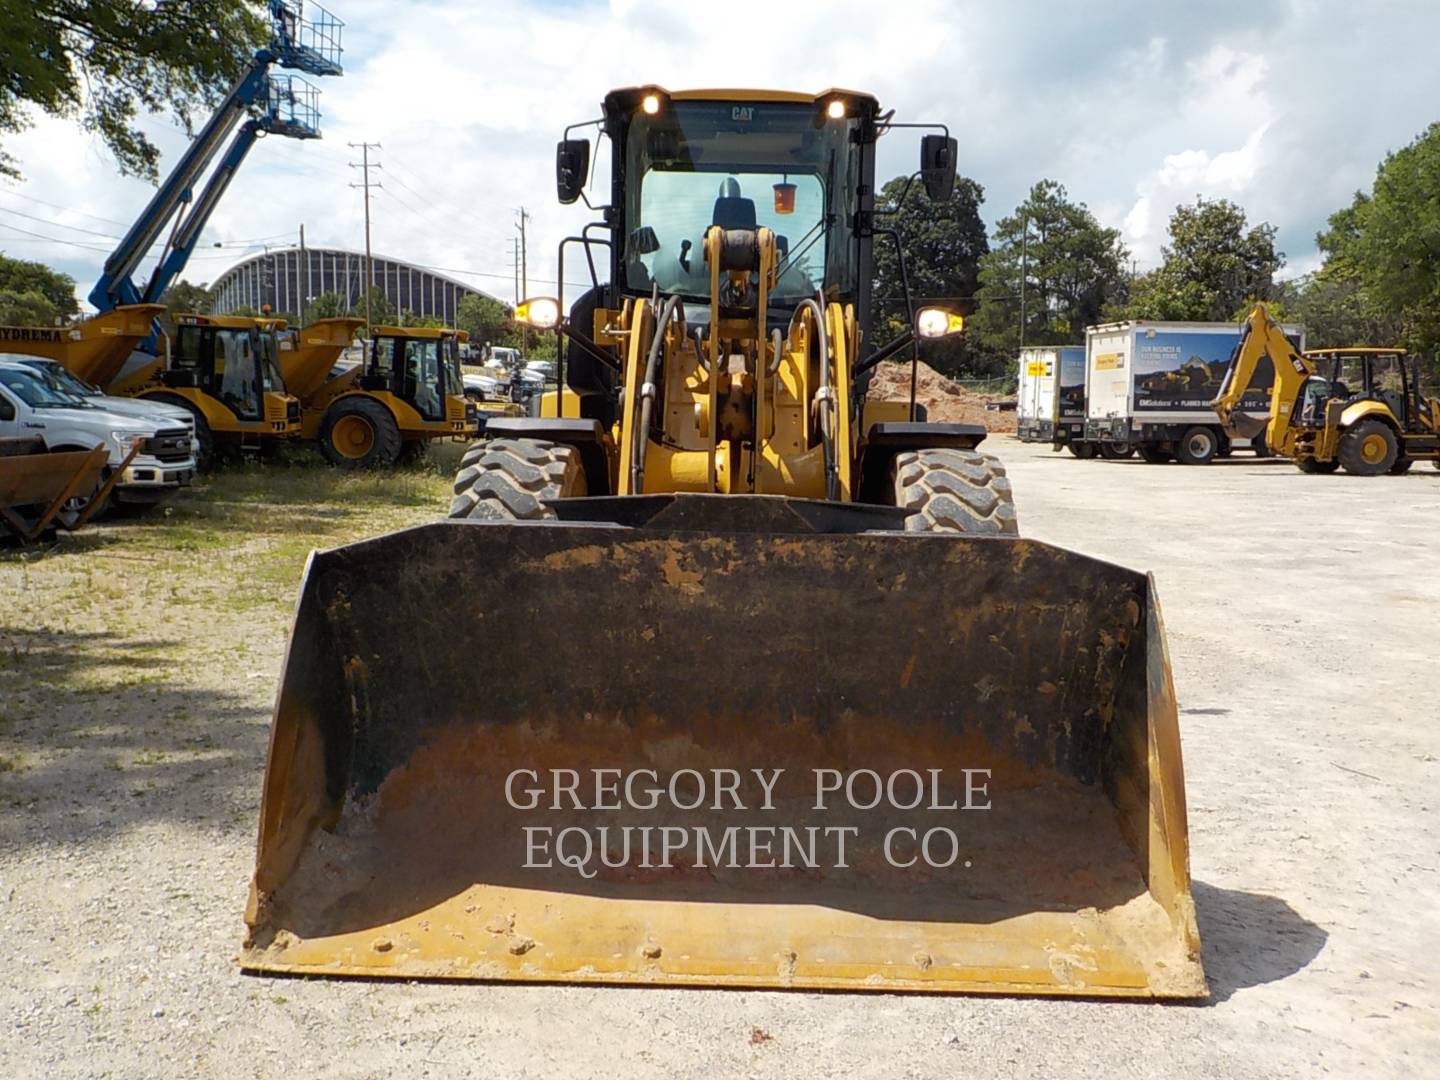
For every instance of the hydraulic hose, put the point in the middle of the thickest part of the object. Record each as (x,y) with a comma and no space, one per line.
(647,395)
(824,400)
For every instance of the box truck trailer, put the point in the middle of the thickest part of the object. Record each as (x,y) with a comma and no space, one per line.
(1050,398)
(1149,386)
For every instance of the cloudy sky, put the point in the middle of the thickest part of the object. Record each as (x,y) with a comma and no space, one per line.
(1285,106)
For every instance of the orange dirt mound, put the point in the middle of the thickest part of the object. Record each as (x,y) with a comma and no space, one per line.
(947,401)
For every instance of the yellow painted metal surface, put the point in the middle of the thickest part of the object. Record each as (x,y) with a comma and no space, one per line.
(94,349)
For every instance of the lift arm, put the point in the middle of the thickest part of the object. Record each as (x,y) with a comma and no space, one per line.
(1263,336)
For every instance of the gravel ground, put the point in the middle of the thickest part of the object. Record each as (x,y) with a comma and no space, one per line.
(138,664)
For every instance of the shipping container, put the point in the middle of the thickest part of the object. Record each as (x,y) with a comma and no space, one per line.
(1149,386)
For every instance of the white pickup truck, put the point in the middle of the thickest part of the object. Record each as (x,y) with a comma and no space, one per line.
(35,399)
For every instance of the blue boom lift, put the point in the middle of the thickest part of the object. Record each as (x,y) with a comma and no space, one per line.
(268,104)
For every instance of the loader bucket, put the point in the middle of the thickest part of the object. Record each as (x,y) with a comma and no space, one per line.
(578,752)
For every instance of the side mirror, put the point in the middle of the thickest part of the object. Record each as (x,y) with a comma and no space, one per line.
(937,166)
(643,241)
(572,166)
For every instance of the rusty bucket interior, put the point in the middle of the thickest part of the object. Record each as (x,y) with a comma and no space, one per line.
(467,709)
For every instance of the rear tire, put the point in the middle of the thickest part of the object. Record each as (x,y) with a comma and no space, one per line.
(1310,465)
(413,452)
(360,433)
(1260,447)
(1154,455)
(1402,466)
(1369,449)
(1082,450)
(955,491)
(1116,451)
(509,479)
(1197,446)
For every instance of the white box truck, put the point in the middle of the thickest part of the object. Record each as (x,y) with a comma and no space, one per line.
(1050,396)
(1149,386)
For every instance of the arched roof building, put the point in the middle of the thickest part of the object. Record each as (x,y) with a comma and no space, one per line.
(286,278)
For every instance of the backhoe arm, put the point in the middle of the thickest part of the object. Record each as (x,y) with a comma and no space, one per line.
(1262,337)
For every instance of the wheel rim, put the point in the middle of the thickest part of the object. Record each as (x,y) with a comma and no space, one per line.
(352,437)
(1199,446)
(1373,448)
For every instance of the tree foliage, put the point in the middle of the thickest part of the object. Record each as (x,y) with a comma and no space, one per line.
(1053,256)
(19,277)
(29,308)
(185,297)
(104,62)
(1214,268)
(483,318)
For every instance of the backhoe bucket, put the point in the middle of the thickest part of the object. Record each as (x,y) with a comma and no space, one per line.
(579,752)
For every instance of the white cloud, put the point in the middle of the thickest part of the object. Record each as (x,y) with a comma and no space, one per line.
(1135,107)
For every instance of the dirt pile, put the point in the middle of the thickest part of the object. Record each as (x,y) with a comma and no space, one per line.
(946,400)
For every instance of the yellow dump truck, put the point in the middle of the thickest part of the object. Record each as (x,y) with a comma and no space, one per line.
(94,349)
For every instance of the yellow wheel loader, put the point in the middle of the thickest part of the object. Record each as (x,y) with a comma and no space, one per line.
(407,391)
(1360,408)
(723,671)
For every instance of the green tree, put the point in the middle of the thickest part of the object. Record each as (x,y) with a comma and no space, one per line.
(482,317)
(103,62)
(943,246)
(183,297)
(1215,267)
(19,276)
(328,305)
(1054,259)
(245,311)
(382,311)
(31,308)
(1390,241)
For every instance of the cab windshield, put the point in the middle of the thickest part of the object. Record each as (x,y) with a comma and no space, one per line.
(781,166)
(66,381)
(38,392)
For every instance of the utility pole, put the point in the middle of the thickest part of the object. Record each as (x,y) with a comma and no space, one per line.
(364,166)
(524,280)
(515,264)
(305,288)
(1024,271)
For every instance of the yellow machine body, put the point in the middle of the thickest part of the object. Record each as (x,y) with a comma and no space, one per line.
(94,349)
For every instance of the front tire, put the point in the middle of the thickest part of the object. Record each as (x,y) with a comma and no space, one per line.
(1402,466)
(1082,450)
(1154,455)
(1197,446)
(360,433)
(1116,451)
(1369,449)
(955,491)
(510,479)
(1316,468)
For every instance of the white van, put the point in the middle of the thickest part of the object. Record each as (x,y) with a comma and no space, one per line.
(33,405)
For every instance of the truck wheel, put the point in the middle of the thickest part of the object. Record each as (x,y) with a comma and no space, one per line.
(413,452)
(1311,465)
(508,479)
(1369,448)
(1116,451)
(1154,455)
(1197,446)
(956,491)
(1401,466)
(77,504)
(1260,447)
(205,458)
(359,433)
(1082,450)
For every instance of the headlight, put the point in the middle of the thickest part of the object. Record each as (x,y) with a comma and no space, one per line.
(125,439)
(543,313)
(933,322)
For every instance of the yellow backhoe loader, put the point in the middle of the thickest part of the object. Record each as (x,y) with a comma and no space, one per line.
(725,672)
(1361,408)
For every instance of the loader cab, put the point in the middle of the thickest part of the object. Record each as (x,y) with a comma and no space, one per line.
(227,358)
(1384,376)
(419,365)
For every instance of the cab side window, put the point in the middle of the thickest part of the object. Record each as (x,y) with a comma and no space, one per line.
(7,408)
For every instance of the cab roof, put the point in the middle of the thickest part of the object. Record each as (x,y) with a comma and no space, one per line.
(426,333)
(225,322)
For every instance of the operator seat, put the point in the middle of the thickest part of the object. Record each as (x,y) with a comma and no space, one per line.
(733,212)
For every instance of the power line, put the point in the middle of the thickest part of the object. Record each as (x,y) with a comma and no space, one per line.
(53,239)
(57,224)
